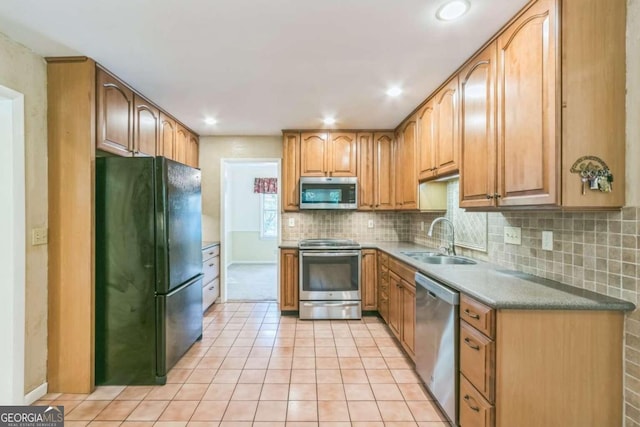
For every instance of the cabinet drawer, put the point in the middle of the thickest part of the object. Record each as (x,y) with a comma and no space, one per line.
(211,269)
(402,270)
(477,356)
(478,315)
(210,252)
(210,293)
(475,411)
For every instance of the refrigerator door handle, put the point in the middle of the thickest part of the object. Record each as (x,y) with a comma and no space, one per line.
(184,285)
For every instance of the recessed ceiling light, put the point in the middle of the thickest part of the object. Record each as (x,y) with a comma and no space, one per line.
(394,91)
(329,121)
(210,121)
(452,10)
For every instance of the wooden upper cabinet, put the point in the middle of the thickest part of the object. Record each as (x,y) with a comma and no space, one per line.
(313,154)
(528,149)
(446,105)
(408,164)
(193,151)
(427,142)
(114,112)
(366,171)
(342,152)
(290,171)
(182,143)
(477,130)
(147,127)
(398,188)
(323,154)
(167,136)
(383,177)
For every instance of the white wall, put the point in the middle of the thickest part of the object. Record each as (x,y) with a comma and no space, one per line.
(12,247)
(25,72)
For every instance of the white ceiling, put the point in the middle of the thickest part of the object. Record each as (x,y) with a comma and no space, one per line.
(259,66)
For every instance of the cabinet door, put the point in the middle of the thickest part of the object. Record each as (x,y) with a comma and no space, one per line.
(527,147)
(147,127)
(368,280)
(182,144)
(289,279)
(426,142)
(342,152)
(409,175)
(313,154)
(446,105)
(167,137)
(400,170)
(114,115)
(383,176)
(366,171)
(477,131)
(290,171)
(408,335)
(193,153)
(395,303)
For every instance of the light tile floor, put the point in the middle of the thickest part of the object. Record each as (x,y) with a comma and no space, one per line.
(256,368)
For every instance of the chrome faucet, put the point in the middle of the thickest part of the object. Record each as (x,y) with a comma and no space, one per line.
(451,250)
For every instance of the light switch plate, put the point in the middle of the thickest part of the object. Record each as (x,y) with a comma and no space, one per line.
(292,222)
(39,236)
(547,240)
(513,235)
(370,223)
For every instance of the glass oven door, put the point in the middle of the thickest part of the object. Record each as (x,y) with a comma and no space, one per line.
(329,275)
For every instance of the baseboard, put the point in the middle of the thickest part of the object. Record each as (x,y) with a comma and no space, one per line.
(252,262)
(36,393)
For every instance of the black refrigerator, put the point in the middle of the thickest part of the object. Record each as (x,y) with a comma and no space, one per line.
(148,267)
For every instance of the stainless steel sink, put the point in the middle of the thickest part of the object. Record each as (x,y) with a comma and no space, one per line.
(438,258)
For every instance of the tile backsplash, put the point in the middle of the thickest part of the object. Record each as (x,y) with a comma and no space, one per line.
(592,250)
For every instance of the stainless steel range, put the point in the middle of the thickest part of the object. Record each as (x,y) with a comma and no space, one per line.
(330,279)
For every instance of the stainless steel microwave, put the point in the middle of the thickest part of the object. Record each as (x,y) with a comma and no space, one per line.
(328,193)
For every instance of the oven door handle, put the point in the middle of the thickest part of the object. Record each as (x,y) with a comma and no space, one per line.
(330,304)
(329,253)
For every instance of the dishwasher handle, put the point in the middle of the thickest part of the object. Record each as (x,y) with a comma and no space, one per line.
(439,291)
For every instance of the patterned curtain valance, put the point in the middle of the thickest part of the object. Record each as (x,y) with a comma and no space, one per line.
(265,185)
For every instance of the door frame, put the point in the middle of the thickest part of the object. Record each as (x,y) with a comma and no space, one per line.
(225,165)
(13,248)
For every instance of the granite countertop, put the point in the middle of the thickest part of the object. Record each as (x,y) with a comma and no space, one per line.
(499,287)
(206,244)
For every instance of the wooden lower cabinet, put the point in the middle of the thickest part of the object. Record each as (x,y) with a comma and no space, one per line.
(368,280)
(543,368)
(402,304)
(289,291)
(383,286)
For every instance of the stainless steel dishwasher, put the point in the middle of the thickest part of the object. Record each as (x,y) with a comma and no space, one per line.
(437,342)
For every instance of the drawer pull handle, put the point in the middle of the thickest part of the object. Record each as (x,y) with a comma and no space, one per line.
(468,342)
(471,314)
(211,265)
(212,288)
(468,399)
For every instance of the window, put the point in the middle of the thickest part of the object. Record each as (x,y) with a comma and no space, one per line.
(268,216)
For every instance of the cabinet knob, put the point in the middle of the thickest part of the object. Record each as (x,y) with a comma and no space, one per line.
(496,195)
(489,196)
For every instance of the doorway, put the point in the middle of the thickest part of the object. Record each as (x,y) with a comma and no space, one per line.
(250,229)
(12,247)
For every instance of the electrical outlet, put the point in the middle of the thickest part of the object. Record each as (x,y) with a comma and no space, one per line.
(38,236)
(421,225)
(513,235)
(370,223)
(292,222)
(547,240)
